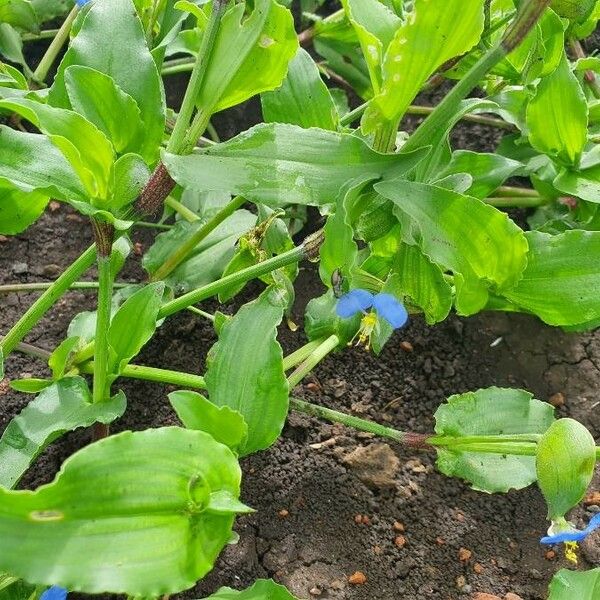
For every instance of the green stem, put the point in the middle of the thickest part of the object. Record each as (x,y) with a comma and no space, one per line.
(201,313)
(507,190)
(181,65)
(149,225)
(178,137)
(291,360)
(189,215)
(100,392)
(214,288)
(55,47)
(197,128)
(516,201)
(385,137)
(39,308)
(45,285)
(46,34)
(313,359)
(165,376)
(188,246)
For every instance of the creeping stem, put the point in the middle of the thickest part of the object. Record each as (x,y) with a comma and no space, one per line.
(39,308)
(313,359)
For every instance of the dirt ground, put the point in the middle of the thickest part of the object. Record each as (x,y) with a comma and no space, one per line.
(322,516)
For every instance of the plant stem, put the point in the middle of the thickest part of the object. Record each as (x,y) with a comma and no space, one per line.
(201,313)
(291,360)
(165,376)
(385,137)
(46,34)
(189,215)
(177,139)
(102,324)
(313,359)
(516,201)
(306,250)
(507,190)
(153,225)
(55,47)
(39,308)
(185,249)
(45,285)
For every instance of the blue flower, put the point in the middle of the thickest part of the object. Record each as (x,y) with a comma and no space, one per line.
(81,3)
(384,306)
(54,593)
(569,536)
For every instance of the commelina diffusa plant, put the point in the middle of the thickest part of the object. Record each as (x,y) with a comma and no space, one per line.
(410,226)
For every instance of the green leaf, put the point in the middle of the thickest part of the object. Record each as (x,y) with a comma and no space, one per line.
(87,149)
(250,382)
(31,162)
(209,259)
(566,456)
(112,40)
(263,589)
(578,10)
(20,14)
(30,385)
(480,244)
(127,179)
(583,183)
(434,32)
(60,358)
(488,171)
(47,10)
(561,284)
(423,282)
(12,588)
(567,585)
(375,26)
(11,45)
(250,55)
(154,523)
(485,412)
(18,210)
(557,116)
(100,100)
(63,406)
(227,426)
(303,98)
(280,164)
(133,325)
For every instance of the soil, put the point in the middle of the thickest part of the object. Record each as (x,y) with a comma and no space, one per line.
(331,503)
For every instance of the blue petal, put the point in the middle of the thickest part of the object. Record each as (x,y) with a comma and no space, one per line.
(564,536)
(54,593)
(353,302)
(81,3)
(391,309)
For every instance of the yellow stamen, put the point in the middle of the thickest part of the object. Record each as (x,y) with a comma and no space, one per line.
(571,551)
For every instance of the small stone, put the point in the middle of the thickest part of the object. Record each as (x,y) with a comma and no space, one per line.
(357,578)
(3,239)
(593,508)
(358,519)
(283,513)
(459,516)
(366,520)
(20,268)
(375,465)
(74,218)
(400,541)
(484,596)
(550,555)
(477,568)
(511,596)
(406,346)
(138,248)
(315,591)
(460,581)
(557,399)
(464,555)
(440,541)
(399,527)
(51,271)
(593,498)
(377,550)
(337,584)
(312,387)
(537,575)
(53,205)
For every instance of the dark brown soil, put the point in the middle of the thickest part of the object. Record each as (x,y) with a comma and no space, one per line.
(308,498)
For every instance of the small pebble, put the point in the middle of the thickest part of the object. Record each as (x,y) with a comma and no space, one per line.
(406,346)
(461,581)
(400,541)
(550,555)
(357,578)
(315,591)
(399,527)
(52,270)
(511,596)
(20,268)
(464,555)
(138,248)
(440,541)
(377,550)
(3,239)
(477,568)
(593,498)
(557,399)
(53,205)
(283,513)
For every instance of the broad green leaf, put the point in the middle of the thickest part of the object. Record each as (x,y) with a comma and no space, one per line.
(568,585)
(489,171)
(143,513)
(263,589)
(30,385)
(432,33)
(128,178)
(584,183)
(375,26)
(561,283)
(321,320)
(280,164)
(99,99)
(31,162)
(12,588)
(303,98)
(488,412)
(20,14)
(480,244)
(566,456)
(250,55)
(252,383)
(63,406)
(59,360)
(133,325)
(557,116)
(227,426)
(423,282)
(578,10)
(111,40)
(87,149)
(18,210)
(50,9)
(208,260)
(11,45)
